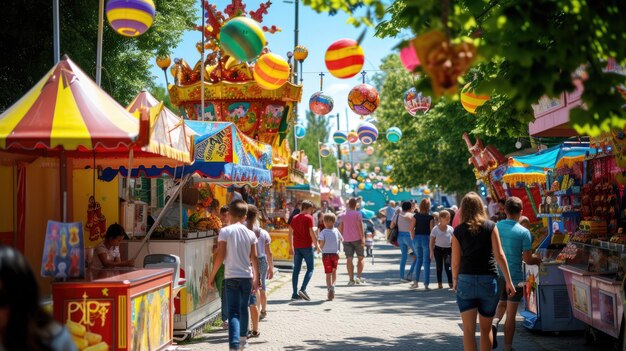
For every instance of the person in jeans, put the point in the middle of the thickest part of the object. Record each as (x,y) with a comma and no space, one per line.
(475,250)
(236,248)
(389,211)
(301,238)
(406,231)
(424,224)
(329,240)
(441,247)
(266,268)
(219,277)
(517,245)
(351,228)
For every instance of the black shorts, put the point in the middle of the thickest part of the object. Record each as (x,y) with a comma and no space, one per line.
(504,295)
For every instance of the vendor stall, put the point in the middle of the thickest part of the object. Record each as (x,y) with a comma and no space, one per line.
(223,156)
(85,127)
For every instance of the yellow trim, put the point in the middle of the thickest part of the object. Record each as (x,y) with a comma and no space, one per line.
(338,54)
(68,124)
(346,71)
(525,177)
(121,321)
(12,117)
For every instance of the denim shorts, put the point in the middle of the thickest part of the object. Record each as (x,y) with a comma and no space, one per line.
(477,291)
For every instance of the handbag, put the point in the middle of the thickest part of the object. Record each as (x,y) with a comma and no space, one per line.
(393,233)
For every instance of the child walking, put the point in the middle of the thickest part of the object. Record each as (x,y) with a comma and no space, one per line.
(236,248)
(441,247)
(329,243)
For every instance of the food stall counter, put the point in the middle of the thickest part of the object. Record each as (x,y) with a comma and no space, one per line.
(117,309)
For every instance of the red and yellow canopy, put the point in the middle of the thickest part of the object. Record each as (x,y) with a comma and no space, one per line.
(68,112)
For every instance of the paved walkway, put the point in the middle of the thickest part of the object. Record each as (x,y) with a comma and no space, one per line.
(384,314)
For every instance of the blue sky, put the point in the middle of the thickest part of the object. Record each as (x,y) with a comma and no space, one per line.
(316,33)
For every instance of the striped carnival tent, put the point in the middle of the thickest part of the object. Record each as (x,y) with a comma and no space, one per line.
(68,113)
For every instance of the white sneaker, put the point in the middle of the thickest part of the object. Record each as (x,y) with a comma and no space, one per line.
(360,280)
(350,283)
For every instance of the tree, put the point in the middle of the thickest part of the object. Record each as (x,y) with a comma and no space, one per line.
(27,55)
(535,48)
(317,128)
(161,94)
(431,149)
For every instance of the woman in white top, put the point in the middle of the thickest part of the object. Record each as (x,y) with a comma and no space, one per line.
(108,251)
(406,232)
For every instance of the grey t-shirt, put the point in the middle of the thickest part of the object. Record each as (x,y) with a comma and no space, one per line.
(331,239)
(239,241)
(443,238)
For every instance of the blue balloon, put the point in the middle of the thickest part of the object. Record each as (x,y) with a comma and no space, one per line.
(368,186)
(300,131)
(389,168)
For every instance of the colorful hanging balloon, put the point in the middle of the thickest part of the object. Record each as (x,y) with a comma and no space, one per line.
(414,102)
(370,151)
(409,58)
(344,58)
(470,100)
(339,137)
(388,168)
(394,134)
(300,53)
(271,71)
(379,185)
(361,186)
(300,131)
(345,150)
(367,133)
(363,99)
(353,137)
(394,190)
(324,150)
(130,18)
(242,38)
(321,104)
(368,186)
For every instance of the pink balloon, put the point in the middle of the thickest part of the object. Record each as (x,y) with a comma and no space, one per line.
(409,58)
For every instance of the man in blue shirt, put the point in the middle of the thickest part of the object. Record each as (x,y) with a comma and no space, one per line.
(516,244)
(389,211)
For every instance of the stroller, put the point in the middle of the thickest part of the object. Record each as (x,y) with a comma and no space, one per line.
(368,227)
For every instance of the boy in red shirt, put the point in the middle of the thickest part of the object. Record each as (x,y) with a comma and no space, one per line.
(302,238)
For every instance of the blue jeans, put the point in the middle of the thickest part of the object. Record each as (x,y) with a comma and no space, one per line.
(237,296)
(224,304)
(404,241)
(479,292)
(305,254)
(421,247)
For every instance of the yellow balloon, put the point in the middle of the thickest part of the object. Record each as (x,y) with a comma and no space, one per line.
(361,186)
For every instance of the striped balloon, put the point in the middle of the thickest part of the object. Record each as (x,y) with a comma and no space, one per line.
(394,134)
(344,58)
(340,137)
(470,100)
(324,151)
(367,133)
(130,18)
(242,38)
(271,71)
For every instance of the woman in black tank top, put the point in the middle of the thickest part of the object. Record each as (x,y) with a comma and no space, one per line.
(475,250)
(424,223)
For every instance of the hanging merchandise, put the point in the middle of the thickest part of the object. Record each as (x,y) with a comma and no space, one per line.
(340,137)
(271,71)
(300,131)
(130,18)
(353,137)
(415,102)
(242,38)
(363,99)
(367,133)
(470,100)
(321,103)
(409,58)
(394,134)
(344,58)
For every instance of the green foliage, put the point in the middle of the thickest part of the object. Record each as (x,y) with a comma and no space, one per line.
(375,9)
(535,48)
(161,94)
(431,150)
(27,45)
(317,130)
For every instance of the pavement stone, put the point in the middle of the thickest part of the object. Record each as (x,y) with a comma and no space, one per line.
(383,314)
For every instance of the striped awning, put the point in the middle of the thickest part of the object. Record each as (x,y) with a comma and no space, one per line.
(68,112)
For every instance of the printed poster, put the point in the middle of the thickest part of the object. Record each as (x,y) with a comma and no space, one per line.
(64,251)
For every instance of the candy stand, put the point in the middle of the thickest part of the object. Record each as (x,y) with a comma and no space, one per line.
(97,306)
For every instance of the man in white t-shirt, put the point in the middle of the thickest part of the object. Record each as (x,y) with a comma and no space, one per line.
(237,250)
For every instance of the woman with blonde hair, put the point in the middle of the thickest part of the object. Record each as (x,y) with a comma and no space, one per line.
(476,248)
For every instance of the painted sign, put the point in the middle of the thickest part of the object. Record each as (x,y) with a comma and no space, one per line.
(64,251)
(90,322)
(150,323)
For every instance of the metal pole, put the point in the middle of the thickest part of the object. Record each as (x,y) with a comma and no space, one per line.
(338,146)
(56,43)
(99,48)
(349,146)
(201,117)
(319,154)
